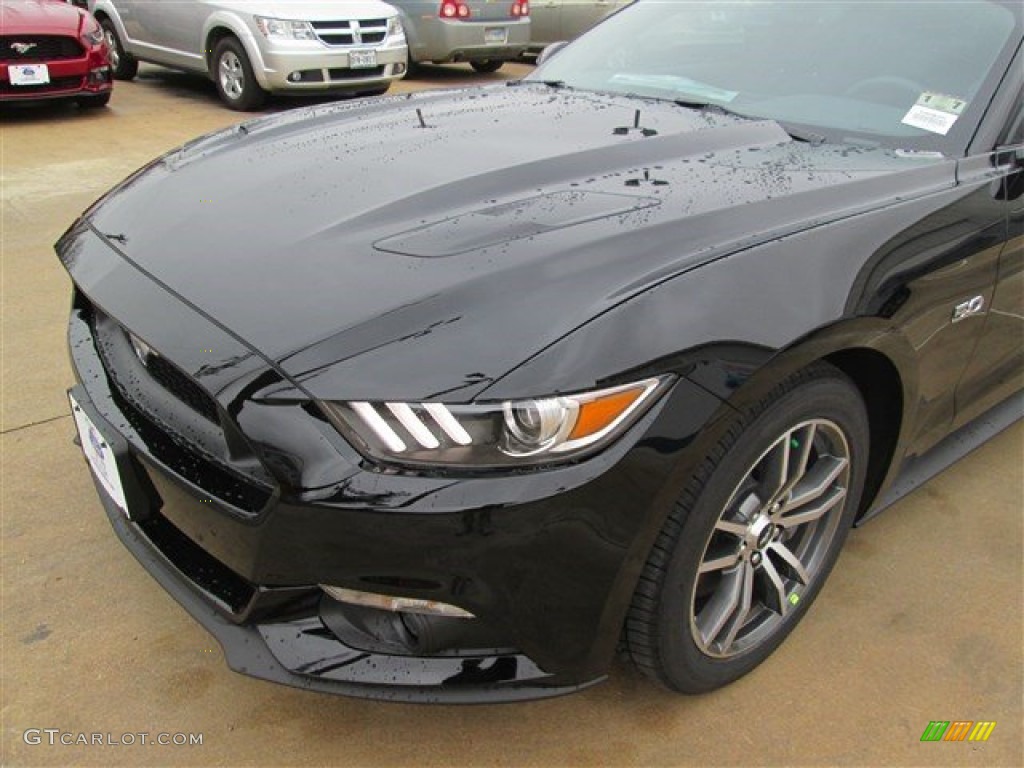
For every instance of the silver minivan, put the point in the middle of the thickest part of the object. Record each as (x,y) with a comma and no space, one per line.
(484,33)
(250,48)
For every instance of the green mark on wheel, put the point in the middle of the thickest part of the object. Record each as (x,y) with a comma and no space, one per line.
(794,599)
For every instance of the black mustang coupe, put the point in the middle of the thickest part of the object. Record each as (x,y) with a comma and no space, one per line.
(452,396)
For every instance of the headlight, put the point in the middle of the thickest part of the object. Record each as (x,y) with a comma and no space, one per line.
(284,29)
(514,433)
(93,35)
(395,27)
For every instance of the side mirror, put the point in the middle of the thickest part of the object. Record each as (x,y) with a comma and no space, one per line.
(550,51)
(1013,183)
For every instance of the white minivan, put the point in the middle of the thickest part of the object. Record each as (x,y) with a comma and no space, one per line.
(250,48)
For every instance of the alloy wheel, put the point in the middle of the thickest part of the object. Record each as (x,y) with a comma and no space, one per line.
(771,539)
(232,76)
(113,49)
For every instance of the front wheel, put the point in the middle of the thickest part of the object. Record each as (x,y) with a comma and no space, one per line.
(123,66)
(486,65)
(754,535)
(234,78)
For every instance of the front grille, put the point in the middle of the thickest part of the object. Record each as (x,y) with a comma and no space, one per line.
(355,74)
(39,48)
(182,387)
(178,421)
(55,85)
(365,32)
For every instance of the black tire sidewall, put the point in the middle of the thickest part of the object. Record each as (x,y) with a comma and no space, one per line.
(253,95)
(683,665)
(127,67)
(487,66)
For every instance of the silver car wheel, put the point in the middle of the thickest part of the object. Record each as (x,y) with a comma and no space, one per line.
(231,74)
(771,539)
(113,49)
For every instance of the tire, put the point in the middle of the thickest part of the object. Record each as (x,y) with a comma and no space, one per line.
(123,66)
(753,536)
(233,76)
(93,102)
(486,65)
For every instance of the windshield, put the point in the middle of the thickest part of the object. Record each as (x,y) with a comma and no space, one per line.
(909,73)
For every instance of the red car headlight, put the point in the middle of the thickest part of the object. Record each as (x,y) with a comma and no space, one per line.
(93,33)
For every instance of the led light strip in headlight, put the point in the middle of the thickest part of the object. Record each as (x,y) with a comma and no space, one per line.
(408,419)
(541,430)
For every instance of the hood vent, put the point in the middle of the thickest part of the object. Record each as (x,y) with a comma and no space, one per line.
(511,221)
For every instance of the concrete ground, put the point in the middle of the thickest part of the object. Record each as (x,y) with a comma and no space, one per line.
(920,621)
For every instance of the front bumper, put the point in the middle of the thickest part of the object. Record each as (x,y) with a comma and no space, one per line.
(546,561)
(303,657)
(323,69)
(69,78)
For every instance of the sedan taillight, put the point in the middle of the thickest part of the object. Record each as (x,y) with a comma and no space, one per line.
(453,9)
(521,8)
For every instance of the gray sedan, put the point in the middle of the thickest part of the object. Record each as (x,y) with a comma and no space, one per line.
(554,20)
(481,32)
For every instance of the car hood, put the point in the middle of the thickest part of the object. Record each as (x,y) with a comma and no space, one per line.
(39,17)
(311,9)
(422,246)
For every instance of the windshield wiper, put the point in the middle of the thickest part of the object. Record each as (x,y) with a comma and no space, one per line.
(801,134)
(797,134)
(548,83)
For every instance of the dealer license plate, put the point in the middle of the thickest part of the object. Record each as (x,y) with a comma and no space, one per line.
(496,36)
(99,454)
(362,59)
(28,74)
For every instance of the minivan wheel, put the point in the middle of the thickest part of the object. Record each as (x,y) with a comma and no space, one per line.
(753,536)
(486,65)
(234,78)
(123,66)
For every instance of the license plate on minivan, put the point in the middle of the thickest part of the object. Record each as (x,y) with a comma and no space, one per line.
(362,59)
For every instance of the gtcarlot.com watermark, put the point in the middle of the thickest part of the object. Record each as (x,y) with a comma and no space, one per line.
(54,737)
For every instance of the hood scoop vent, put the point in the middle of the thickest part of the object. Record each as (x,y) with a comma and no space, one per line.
(511,221)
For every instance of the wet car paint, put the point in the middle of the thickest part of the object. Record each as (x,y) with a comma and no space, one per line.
(857,256)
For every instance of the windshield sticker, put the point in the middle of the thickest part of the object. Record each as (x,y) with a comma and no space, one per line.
(934,112)
(919,154)
(683,85)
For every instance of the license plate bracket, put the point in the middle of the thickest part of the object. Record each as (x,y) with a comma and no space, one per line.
(362,59)
(28,74)
(100,454)
(496,35)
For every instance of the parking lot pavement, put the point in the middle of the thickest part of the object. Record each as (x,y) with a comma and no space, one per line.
(921,621)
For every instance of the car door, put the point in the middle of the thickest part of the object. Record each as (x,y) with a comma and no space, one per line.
(996,370)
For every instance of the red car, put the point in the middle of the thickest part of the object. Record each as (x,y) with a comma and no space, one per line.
(50,49)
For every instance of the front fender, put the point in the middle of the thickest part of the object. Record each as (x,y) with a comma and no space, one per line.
(412,37)
(105,8)
(236,25)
